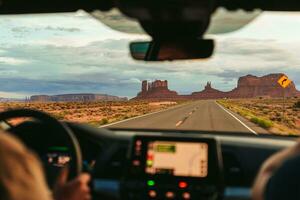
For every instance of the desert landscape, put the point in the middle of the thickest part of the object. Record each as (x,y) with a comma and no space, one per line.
(269,113)
(93,113)
(258,99)
(266,113)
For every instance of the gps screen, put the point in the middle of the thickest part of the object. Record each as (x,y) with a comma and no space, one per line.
(177,158)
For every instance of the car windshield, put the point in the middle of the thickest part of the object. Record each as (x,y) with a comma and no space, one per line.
(79,69)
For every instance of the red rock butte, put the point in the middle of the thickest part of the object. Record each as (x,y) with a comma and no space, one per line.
(247,87)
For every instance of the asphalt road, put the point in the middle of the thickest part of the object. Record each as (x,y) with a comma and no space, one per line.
(199,115)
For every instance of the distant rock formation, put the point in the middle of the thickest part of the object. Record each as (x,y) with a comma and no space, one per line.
(156,90)
(208,93)
(76,98)
(247,87)
(252,86)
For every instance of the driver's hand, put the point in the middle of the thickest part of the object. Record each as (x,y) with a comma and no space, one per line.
(77,189)
(269,167)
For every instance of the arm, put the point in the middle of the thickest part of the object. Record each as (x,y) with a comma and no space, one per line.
(268,169)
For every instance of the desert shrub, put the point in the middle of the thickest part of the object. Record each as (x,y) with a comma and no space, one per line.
(244,113)
(103,121)
(278,118)
(278,113)
(297,104)
(265,111)
(117,115)
(262,122)
(59,116)
(290,123)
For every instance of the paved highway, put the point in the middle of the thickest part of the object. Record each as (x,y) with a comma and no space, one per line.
(198,115)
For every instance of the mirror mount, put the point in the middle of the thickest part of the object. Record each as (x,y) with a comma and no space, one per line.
(176,29)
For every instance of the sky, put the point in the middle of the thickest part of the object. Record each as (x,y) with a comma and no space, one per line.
(75,53)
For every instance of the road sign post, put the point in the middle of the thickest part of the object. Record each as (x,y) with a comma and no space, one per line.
(283,106)
(284,81)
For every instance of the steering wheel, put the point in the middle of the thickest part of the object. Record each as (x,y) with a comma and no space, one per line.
(58,130)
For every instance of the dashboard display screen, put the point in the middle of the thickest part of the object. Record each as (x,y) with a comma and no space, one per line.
(189,159)
(58,156)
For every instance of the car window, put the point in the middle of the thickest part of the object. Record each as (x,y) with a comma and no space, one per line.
(79,69)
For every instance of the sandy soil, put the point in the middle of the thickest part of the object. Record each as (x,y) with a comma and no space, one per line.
(277,116)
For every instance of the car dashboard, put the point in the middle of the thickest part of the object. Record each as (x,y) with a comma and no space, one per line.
(122,166)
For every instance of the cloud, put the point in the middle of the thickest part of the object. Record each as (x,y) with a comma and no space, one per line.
(20,29)
(105,66)
(72,53)
(12,61)
(63,29)
(40,86)
(13,95)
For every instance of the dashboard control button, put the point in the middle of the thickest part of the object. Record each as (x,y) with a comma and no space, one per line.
(136,163)
(186,195)
(138,143)
(182,184)
(152,194)
(150,183)
(170,195)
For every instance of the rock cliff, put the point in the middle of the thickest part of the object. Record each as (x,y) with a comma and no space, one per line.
(156,90)
(252,86)
(248,86)
(76,97)
(208,93)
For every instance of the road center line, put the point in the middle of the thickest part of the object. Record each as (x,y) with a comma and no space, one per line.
(145,115)
(179,123)
(183,120)
(237,119)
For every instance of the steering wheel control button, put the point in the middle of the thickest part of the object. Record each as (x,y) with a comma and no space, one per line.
(152,194)
(182,185)
(170,195)
(186,195)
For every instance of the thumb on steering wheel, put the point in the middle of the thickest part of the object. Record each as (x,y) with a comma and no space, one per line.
(62,177)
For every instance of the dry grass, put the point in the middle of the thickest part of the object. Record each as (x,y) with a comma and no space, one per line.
(94,113)
(268,113)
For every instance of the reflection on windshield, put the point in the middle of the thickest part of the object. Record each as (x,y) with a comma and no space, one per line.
(78,69)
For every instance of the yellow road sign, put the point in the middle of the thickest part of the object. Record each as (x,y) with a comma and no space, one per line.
(284,81)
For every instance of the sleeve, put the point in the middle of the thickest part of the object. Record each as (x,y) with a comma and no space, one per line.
(21,174)
(284,183)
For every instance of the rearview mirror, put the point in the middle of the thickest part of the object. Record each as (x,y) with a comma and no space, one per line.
(172,50)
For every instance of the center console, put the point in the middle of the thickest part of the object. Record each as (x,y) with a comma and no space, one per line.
(173,168)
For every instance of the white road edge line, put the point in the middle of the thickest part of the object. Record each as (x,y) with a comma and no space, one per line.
(237,119)
(125,120)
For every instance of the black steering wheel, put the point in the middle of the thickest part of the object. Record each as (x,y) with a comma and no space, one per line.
(58,130)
